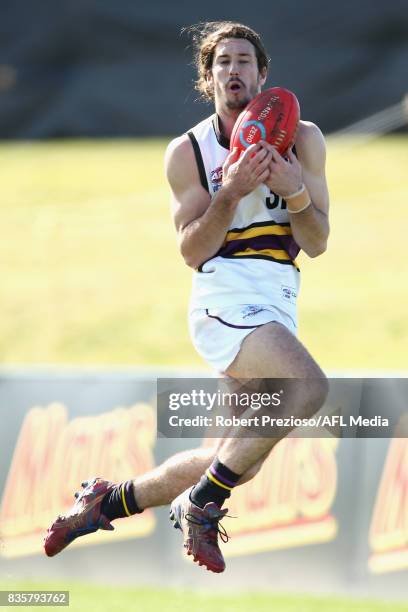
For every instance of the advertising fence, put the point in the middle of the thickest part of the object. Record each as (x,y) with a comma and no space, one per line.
(325,513)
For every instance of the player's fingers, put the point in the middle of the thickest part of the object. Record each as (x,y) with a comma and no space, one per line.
(262,167)
(268,156)
(264,163)
(249,152)
(260,156)
(231,157)
(263,176)
(291,156)
(266,145)
(276,156)
(273,169)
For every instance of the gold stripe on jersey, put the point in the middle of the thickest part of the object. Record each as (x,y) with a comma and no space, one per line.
(253,232)
(262,240)
(277,255)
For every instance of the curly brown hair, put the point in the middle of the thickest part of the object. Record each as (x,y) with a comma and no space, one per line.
(205,38)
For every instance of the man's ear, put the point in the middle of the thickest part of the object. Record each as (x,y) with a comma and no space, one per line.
(262,76)
(209,80)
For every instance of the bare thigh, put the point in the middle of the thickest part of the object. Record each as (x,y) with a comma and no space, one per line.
(272,351)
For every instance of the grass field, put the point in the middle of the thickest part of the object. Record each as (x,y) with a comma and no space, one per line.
(90,598)
(90,272)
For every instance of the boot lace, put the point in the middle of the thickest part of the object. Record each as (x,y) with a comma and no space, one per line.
(211,525)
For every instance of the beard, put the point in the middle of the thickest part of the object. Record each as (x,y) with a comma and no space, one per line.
(240,103)
(237,104)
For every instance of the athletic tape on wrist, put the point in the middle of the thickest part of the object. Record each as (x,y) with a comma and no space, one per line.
(297,193)
(294,212)
(304,197)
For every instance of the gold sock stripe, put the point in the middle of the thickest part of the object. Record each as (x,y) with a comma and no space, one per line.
(124,500)
(217,482)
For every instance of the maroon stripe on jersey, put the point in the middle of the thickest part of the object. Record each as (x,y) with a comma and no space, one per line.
(258,243)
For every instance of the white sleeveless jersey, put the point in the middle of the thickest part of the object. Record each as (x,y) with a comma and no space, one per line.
(256,263)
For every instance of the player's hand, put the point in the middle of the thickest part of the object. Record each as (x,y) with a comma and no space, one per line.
(285,173)
(243,174)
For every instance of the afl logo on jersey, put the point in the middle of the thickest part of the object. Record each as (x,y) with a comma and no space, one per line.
(216,178)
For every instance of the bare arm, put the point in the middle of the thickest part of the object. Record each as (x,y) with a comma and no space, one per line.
(311,226)
(202,222)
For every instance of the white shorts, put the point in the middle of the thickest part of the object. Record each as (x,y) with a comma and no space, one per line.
(217,333)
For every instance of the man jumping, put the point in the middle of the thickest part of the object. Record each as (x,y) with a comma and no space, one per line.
(241,221)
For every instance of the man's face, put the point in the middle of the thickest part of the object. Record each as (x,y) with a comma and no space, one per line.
(234,76)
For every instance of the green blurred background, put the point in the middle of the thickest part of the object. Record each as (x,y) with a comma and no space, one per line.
(91,274)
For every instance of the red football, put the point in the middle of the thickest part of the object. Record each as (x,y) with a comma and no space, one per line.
(273,115)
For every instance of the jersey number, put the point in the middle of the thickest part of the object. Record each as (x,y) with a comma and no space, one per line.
(272,201)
